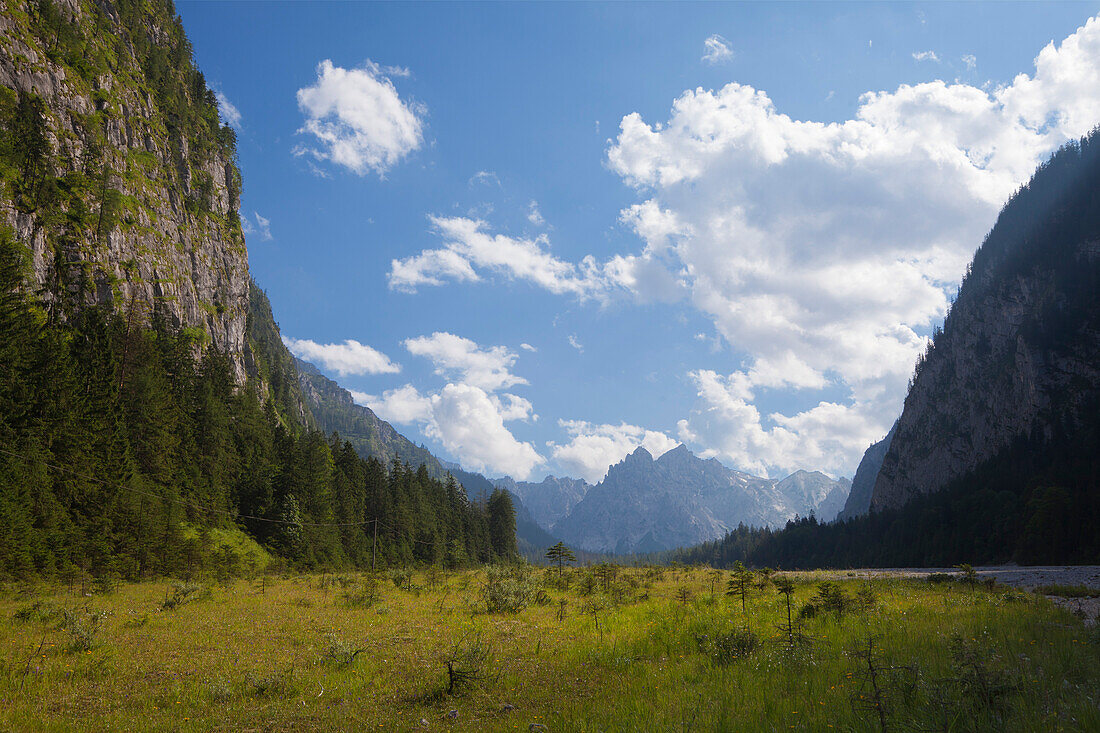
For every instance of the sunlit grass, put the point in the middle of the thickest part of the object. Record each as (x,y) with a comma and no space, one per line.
(637,649)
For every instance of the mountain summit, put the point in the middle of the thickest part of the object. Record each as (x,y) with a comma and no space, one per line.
(679,499)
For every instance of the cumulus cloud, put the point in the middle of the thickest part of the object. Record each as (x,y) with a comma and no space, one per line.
(730,426)
(403,406)
(970,60)
(528,347)
(926,56)
(717,50)
(229,113)
(455,356)
(358,119)
(348,358)
(468,414)
(823,251)
(593,447)
(468,248)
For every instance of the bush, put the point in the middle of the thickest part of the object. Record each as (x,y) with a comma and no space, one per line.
(180,593)
(83,632)
(727,647)
(366,595)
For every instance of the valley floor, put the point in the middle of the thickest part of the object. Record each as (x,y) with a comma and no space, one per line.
(600,649)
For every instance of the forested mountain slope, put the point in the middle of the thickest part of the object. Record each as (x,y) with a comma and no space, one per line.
(334,410)
(146,398)
(1019,354)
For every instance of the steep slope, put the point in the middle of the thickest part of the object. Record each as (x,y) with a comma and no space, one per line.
(334,410)
(117,173)
(643,505)
(548,500)
(859,498)
(1019,354)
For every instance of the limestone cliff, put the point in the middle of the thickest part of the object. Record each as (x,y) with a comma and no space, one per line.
(118,175)
(1019,354)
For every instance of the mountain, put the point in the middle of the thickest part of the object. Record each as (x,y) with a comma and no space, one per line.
(815,493)
(335,411)
(548,500)
(146,397)
(645,505)
(121,179)
(859,498)
(1018,357)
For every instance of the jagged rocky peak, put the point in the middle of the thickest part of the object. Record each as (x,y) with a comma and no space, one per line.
(136,203)
(640,455)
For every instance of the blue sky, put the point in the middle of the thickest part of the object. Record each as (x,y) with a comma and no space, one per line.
(558,231)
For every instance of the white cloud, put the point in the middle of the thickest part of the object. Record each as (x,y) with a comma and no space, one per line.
(970,60)
(358,119)
(468,414)
(528,347)
(822,251)
(486,368)
(485,178)
(261,228)
(470,424)
(404,405)
(724,420)
(926,56)
(717,50)
(350,357)
(229,113)
(575,343)
(534,215)
(468,246)
(593,448)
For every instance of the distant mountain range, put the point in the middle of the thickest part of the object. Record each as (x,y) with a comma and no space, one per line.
(647,505)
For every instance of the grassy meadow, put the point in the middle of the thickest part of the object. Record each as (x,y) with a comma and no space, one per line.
(598,649)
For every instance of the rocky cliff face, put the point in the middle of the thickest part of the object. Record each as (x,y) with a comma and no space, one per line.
(133,202)
(863,483)
(1019,354)
(644,505)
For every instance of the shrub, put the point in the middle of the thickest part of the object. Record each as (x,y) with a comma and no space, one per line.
(180,593)
(366,595)
(467,664)
(83,632)
(727,647)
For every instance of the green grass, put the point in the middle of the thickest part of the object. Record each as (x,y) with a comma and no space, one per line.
(1068,591)
(622,649)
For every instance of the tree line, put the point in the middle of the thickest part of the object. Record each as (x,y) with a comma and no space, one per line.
(114,436)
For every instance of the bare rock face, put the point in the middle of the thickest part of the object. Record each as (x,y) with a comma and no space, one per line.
(858,502)
(1019,354)
(174,242)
